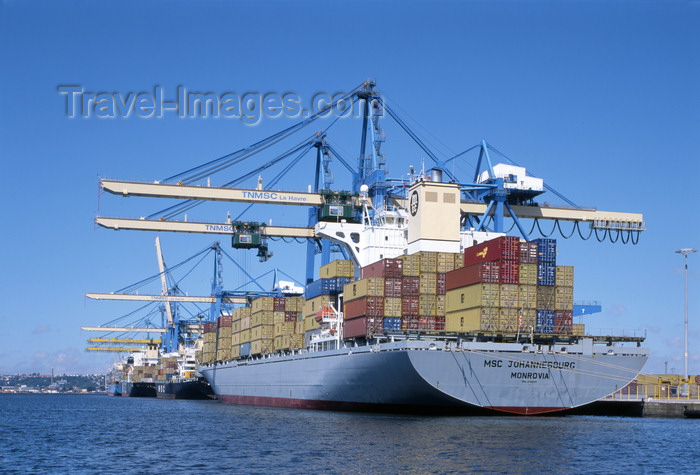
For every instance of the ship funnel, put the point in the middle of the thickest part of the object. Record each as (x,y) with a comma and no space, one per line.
(436,175)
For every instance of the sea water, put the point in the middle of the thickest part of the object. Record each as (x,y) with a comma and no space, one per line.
(96,434)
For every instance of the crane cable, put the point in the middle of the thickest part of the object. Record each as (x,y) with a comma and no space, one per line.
(218,164)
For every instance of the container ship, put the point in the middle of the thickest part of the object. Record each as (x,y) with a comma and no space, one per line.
(423,317)
(151,373)
(180,378)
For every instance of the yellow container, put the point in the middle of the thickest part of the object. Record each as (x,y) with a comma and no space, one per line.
(245,336)
(294,304)
(313,305)
(281,342)
(411,265)
(427,305)
(563,298)
(509,320)
(339,268)
(509,296)
(265,317)
(224,332)
(527,296)
(440,305)
(285,328)
(477,295)
(263,304)
(278,317)
(265,345)
(236,351)
(245,322)
(428,283)
(296,341)
(578,329)
(445,262)
(392,307)
(236,339)
(262,332)
(428,261)
(368,287)
(473,320)
(310,323)
(565,276)
(546,297)
(528,274)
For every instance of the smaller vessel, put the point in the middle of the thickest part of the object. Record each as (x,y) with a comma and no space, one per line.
(113,385)
(140,372)
(180,378)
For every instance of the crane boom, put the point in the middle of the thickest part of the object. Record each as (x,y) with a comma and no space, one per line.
(109,348)
(599,219)
(124,329)
(201,228)
(163,281)
(122,340)
(163,298)
(209,193)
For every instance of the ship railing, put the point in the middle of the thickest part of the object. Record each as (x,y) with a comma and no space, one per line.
(617,332)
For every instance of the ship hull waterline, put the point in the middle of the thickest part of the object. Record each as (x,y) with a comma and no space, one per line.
(415,377)
(194,389)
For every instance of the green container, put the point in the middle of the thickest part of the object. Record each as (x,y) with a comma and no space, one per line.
(246,240)
(329,211)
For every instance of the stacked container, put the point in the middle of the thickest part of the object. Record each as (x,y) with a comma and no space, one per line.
(507,286)
(224,333)
(209,344)
(481,296)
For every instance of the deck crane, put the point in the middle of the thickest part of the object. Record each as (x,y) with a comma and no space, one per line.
(493,194)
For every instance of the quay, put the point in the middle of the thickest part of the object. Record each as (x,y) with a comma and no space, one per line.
(664,396)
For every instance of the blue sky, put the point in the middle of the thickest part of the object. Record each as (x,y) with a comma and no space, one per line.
(600,99)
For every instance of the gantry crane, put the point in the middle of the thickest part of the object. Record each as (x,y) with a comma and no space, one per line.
(492,195)
(174,329)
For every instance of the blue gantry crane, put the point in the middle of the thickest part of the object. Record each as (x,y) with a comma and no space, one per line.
(498,197)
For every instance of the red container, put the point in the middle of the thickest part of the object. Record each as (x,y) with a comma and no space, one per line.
(410,286)
(502,248)
(410,305)
(488,272)
(431,324)
(441,288)
(509,272)
(385,268)
(210,327)
(291,316)
(278,304)
(363,307)
(392,287)
(363,326)
(563,322)
(409,323)
(528,252)
(225,321)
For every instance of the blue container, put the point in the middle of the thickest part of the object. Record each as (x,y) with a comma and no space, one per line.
(545,321)
(340,283)
(330,286)
(392,324)
(316,288)
(546,273)
(245,349)
(546,250)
